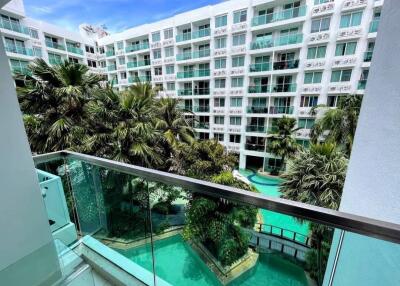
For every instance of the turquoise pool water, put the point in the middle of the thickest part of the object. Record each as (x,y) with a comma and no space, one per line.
(270,186)
(179,265)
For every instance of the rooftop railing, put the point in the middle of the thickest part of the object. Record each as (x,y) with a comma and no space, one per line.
(279,16)
(12,26)
(131,206)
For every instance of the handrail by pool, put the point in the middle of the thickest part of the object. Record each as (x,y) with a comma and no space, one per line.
(345,221)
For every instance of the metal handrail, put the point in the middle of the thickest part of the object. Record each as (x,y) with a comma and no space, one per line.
(349,222)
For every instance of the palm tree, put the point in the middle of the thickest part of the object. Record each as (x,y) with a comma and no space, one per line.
(339,125)
(282,143)
(53,99)
(173,124)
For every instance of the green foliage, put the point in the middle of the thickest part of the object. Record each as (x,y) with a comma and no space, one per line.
(339,125)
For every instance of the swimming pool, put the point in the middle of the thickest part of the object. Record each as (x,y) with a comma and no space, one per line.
(179,265)
(270,186)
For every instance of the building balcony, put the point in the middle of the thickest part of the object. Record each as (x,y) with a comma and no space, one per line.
(201,108)
(194,55)
(193,73)
(138,47)
(373,27)
(19,50)
(112,67)
(368,56)
(362,83)
(110,53)
(118,202)
(55,61)
(194,35)
(201,91)
(15,27)
(280,41)
(75,50)
(113,81)
(256,128)
(281,109)
(141,78)
(55,45)
(257,109)
(21,70)
(283,65)
(202,125)
(138,64)
(264,88)
(286,87)
(260,67)
(286,14)
(184,92)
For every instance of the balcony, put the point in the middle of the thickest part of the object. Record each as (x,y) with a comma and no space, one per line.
(257,109)
(138,64)
(110,53)
(263,88)
(286,14)
(255,147)
(55,61)
(112,67)
(256,128)
(201,91)
(55,45)
(193,73)
(19,50)
(184,92)
(15,27)
(201,108)
(118,202)
(21,70)
(138,47)
(281,109)
(194,35)
(362,83)
(75,50)
(202,125)
(141,78)
(194,55)
(283,65)
(280,41)
(373,27)
(368,56)
(260,67)
(285,87)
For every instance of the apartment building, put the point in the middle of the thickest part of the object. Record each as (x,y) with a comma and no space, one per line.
(237,65)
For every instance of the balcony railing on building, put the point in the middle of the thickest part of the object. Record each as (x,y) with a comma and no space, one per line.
(19,50)
(55,61)
(110,53)
(193,73)
(289,64)
(202,125)
(255,147)
(373,28)
(141,78)
(194,55)
(137,64)
(261,88)
(265,88)
(185,92)
(201,91)
(194,35)
(74,50)
(54,45)
(137,47)
(256,128)
(279,16)
(368,56)
(21,70)
(201,108)
(281,109)
(362,83)
(260,67)
(264,43)
(112,67)
(12,26)
(257,109)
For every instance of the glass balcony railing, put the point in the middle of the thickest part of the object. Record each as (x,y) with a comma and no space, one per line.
(201,108)
(13,26)
(183,37)
(138,47)
(256,128)
(202,125)
(55,45)
(55,61)
(281,109)
(194,35)
(368,56)
(167,223)
(193,73)
(138,64)
(280,41)
(255,147)
(110,53)
(184,56)
(194,55)
(142,78)
(183,92)
(21,70)
(373,28)
(283,65)
(260,67)
(201,91)
(263,88)
(279,16)
(19,50)
(75,50)
(112,67)
(362,83)
(257,109)
(285,87)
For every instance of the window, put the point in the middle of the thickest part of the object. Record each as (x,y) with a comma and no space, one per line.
(341,75)
(91,63)
(308,101)
(237,82)
(123,75)
(220,63)
(237,61)
(234,138)
(221,21)
(312,77)
(350,19)
(102,64)
(239,16)
(34,33)
(73,60)
(348,48)
(219,137)
(121,61)
(155,37)
(157,54)
(239,39)
(319,25)
(333,100)
(316,52)
(220,43)
(170,86)
(219,120)
(158,71)
(316,2)
(89,49)
(120,45)
(236,102)
(303,142)
(220,83)
(37,52)
(169,69)
(306,123)
(168,33)
(219,102)
(169,52)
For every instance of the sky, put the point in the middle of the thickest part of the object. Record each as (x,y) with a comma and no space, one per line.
(116,15)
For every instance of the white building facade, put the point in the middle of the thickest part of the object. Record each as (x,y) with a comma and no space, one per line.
(238,65)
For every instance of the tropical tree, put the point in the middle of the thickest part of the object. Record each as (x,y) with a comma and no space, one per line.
(282,142)
(53,99)
(338,125)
